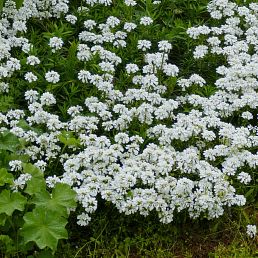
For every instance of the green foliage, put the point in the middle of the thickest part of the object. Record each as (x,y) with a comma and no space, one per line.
(9,141)
(9,202)
(44,227)
(41,216)
(5,177)
(68,139)
(6,102)
(61,198)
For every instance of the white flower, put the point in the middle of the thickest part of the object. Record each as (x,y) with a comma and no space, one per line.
(83,219)
(144,45)
(131,68)
(83,9)
(107,67)
(84,76)
(129,26)
(47,99)
(52,76)
(164,45)
(30,77)
(122,138)
(130,2)
(200,51)
(244,178)
(21,181)
(105,2)
(146,21)
(112,21)
(55,43)
(32,60)
(90,24)
(75,110)
(247,115)
(119,43)
(51,181)
(13,64)
(20,26)
(41,165)
(120,35)
(251,230)
(4,87)
(15,165)
(71,18)
(31,96)
(170,70)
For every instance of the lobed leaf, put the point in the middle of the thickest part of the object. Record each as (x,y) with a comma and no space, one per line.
(9,202)
(44,227)
(62,197)
(9,141)
(5,177)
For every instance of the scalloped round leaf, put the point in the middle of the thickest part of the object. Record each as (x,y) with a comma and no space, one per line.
(9,202)
(32,169)
(63,194)
(62,198)
(9,141)
(44,227)
(35,185)
(5,177)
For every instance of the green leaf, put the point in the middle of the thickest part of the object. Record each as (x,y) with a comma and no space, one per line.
(24,125)
(67,139)
(5,177)
(9,202)
(1,5)
(37,182)
(9,141)
(33,170)
(44,227)
(62,197)
(35,185)
(6,102)
(14,156)
(19,3)
(249,192)
(3,218)
(9,244)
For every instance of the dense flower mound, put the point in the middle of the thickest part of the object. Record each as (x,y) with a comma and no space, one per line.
(138,147)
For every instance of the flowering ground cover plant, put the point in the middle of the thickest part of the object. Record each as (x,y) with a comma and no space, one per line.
(103,111)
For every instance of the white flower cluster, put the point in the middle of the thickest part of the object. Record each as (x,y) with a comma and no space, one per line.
(251,230)
(55,43)
(138,148)
(52,76)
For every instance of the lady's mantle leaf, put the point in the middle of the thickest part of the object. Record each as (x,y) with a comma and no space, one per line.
(37,182)
(45,227)
(8,141)
(5,177)
(9,202)
(62,197)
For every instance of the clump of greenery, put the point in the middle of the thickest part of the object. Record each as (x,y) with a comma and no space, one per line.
(32,216)
(116,108)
